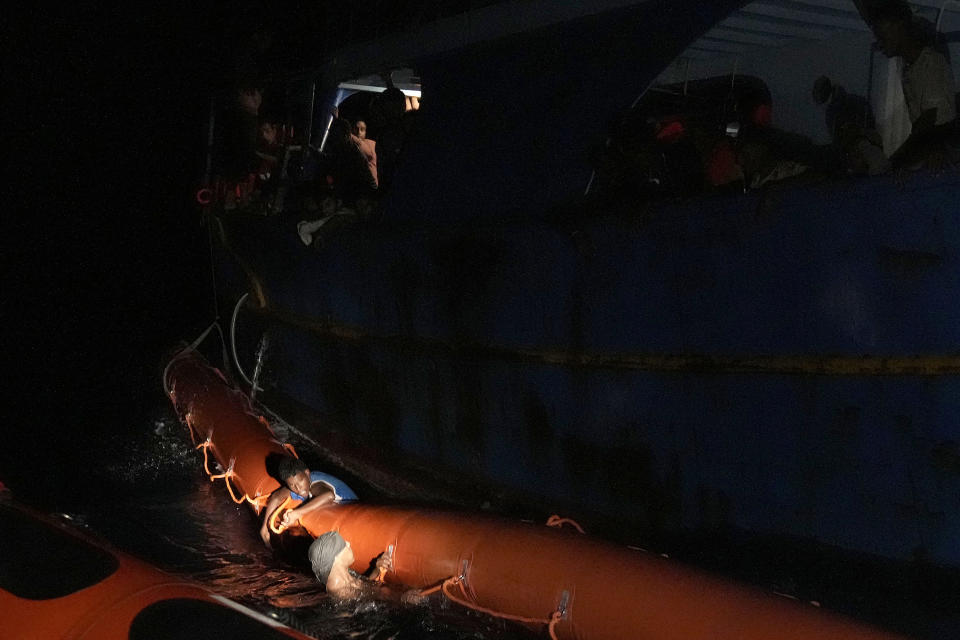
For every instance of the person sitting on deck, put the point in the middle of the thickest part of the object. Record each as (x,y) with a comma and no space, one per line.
(928,88)
(312,489)
(852,127)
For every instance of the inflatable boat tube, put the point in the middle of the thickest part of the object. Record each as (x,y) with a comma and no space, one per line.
(57,582)
(579,587)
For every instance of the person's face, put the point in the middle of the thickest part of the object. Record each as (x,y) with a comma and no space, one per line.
(890,36)
(250,99)
(360,129)
(299,483)
(345,557)
(268,132)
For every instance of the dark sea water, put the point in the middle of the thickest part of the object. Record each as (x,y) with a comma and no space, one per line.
(155,502)
(138,483)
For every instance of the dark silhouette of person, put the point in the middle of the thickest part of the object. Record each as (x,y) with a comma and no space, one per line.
(928,86)
(239,137)
(842,109)
(349,168)
(853,129)
(389,115)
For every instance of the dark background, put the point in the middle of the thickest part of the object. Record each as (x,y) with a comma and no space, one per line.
(107,258)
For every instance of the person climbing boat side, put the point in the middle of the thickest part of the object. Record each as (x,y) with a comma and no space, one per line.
(313,489)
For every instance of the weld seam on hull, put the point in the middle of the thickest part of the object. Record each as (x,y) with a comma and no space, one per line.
(826,365)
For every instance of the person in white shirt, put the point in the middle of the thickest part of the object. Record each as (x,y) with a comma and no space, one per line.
(928,86)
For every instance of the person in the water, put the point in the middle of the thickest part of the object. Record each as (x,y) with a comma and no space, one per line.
(330,558)
(312,489)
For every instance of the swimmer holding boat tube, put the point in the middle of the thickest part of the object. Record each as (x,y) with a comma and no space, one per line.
(330,558)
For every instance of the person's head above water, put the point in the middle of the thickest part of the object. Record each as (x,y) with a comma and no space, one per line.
(295,474)
(330,557)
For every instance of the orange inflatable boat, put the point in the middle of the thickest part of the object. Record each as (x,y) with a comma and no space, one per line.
(56,582)
(574,586)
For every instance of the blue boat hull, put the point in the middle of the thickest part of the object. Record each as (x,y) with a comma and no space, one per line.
(781,363)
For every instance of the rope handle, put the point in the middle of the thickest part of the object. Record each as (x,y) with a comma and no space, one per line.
(278,529)
(557,521)
(226,475)
(206,445)
(446,585)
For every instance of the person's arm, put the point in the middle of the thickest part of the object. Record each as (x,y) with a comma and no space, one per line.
(923,144)
(277,498)
(383,564)
(322,496)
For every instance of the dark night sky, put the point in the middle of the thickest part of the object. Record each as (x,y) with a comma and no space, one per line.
(108,255)
(107,261)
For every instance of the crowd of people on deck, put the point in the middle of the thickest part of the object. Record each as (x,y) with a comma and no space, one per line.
(645,156)
(347,174)
(653,156)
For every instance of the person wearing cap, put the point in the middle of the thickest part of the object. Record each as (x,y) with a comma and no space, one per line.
(312,489)
(330,558)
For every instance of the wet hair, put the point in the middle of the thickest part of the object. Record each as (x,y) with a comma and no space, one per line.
(290,467)
(892,11)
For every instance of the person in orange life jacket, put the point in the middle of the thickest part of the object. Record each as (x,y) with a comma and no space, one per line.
(312,489)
